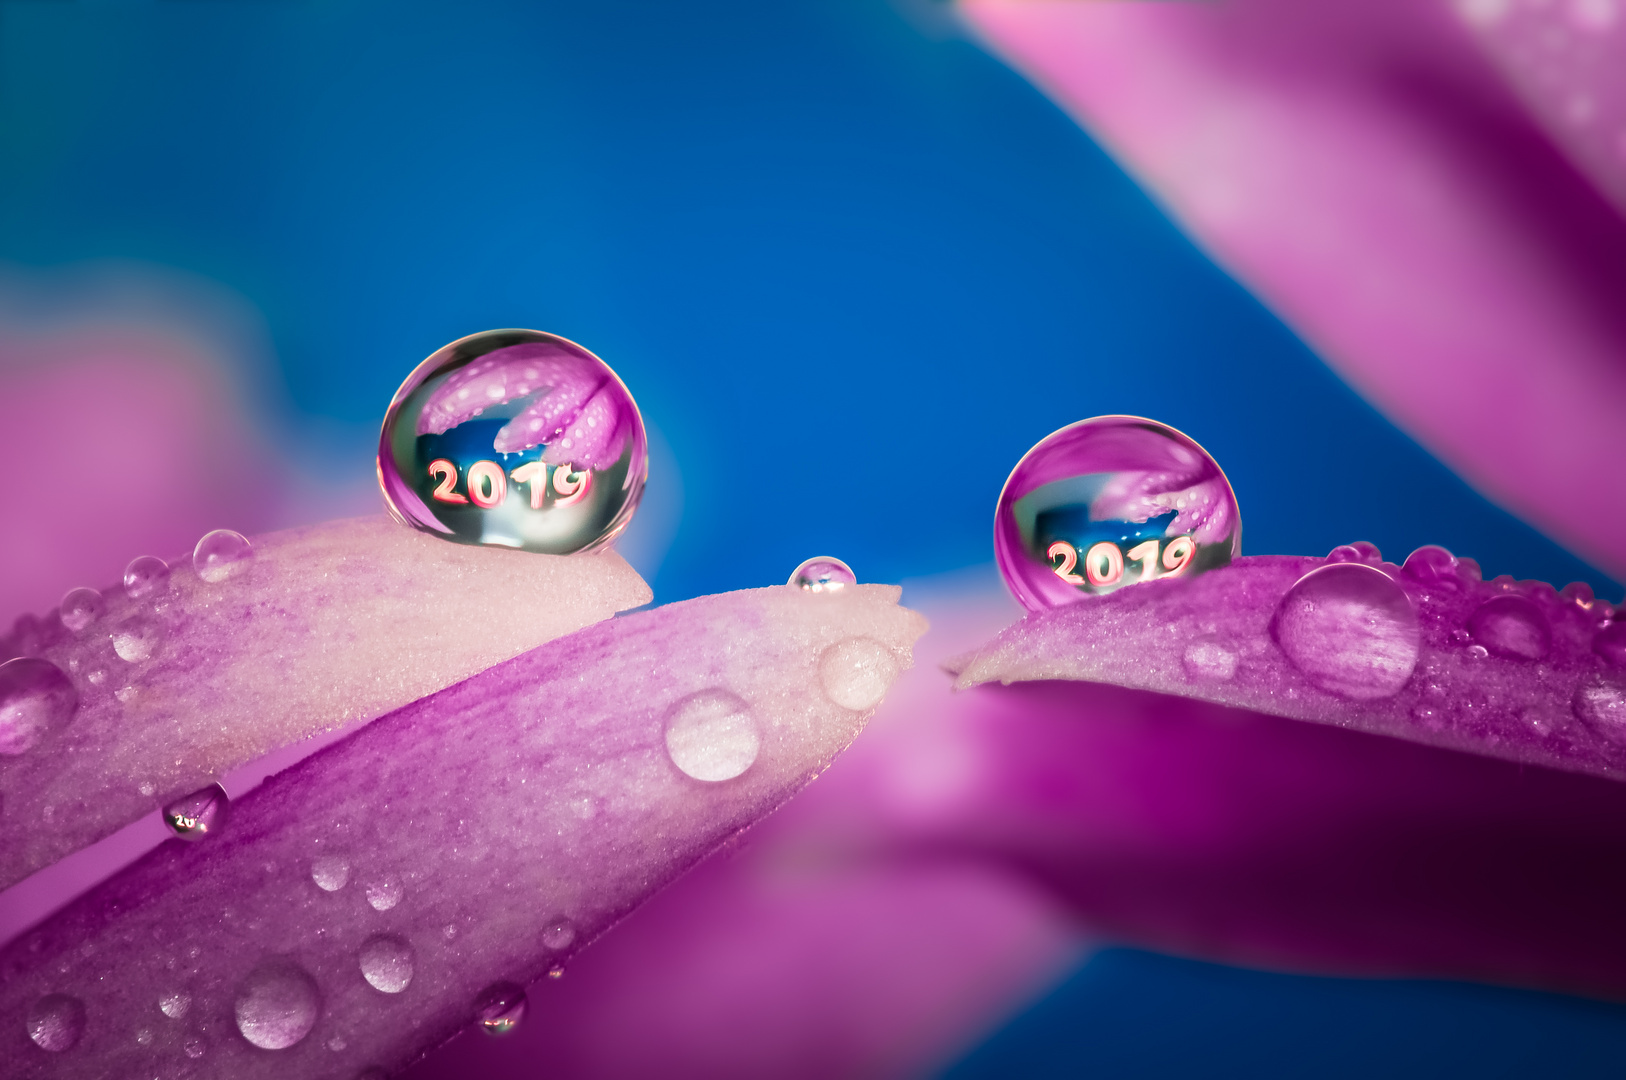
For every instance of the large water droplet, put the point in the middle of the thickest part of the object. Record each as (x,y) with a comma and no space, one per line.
(387,962)
(147,575)
(330,873)
(56,1022)
(856,673)
(1109,502)
(176,1005)
(81,607)
(1610,642)
(500,1007)
(558,934)
(823,574)
(199,815)
(277,1005)
(136,639)
(1600,702)
(712,735)
(1207,660)
(1430,563)
(1511,627)
(384,891)
(514,438)
(1350,629)
(35,697)
(221,554)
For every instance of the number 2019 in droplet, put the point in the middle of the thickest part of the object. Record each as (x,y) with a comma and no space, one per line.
(1104,562)
(487,484)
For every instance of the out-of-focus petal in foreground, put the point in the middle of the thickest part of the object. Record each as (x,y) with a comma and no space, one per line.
(1368,172)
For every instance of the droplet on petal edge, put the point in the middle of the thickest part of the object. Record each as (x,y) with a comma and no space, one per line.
(516,439)
(1109,502)
(81,607)
(499,1008)
(579,723)
(822,574)
(199,815)
(221,555)
(1428,652)
(146,576)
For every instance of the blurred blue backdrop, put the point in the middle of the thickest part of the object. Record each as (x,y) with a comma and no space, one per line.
(851,266)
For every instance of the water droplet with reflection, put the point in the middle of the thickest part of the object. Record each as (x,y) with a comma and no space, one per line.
(499,1008)
(712,735)
(222,555)
(823,574)
(277,1005)
(56,1022)
(35,698)
(199,815)
(147,575)
(81,607)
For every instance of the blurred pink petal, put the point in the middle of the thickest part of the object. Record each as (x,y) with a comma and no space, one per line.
(1365,170)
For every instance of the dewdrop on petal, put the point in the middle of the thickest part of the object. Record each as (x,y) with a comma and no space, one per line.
(514,438)
(1108,502)
(823,574)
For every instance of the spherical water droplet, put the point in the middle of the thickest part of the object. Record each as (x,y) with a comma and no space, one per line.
(1360,551)
(500,1007)
(194,1047)
(712,735)
(558,934)
(56,1022)
(144,1036)
(35,697)
(330,873)
(277,1005)
(477,451)
(1511,627)
(856,673)
(385,891)
(221,554)
(1350,629)
(1207,660)
(147,575)
(1430,563)
(1108,502)
(199,815)
(136,639)
(1610,642)
(387,962)
(81,607)
(1477,652)
(1601,703)
(823,574)
(175,1005)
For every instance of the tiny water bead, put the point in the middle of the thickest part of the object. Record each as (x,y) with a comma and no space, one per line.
(514,438)
(1431,563)
(147,575)
(500,1007)
(1362,551)
(199,815)
(330,873)
(277,1005)
(823,574)
(176,1005)
(384,891)
(1108,502)
(387,963)
(1350,629)
(857,672)
(56,1022)
(712,735)
(221,555)
(559,934)
(136,639)
(35,698)
(81,607)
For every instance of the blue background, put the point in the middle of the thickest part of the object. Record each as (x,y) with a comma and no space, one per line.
(851,266)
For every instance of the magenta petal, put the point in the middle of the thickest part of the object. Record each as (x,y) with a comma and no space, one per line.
(1366,171)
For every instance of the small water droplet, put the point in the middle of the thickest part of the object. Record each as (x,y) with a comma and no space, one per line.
(558,934)
(330,873)
(1511,627)
(823,574)
(500,1008)
(557,971)
(277,1005)
(56,1022)
(337,1043)
(1207,660)
(145,576)
(1601,703)
(1360,551)
(221,554)
(387,962)
(136,639)
(712,735)
(147,788)
(125,694)
(1350,629)
(1477,652)
(199,815)
(144,1036)
(35,697)
(1610,642)
(1430,563)
(81,607)
(175,1005)
(856,673)
(385,891)
(97,677)
(194,1047)
(449,931)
